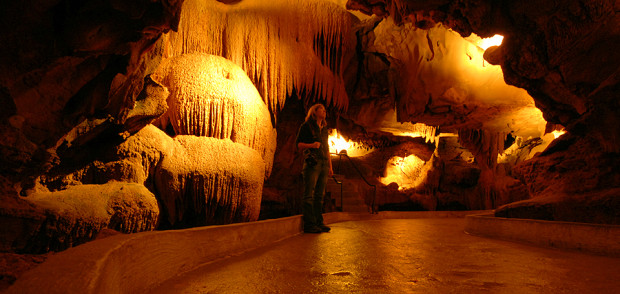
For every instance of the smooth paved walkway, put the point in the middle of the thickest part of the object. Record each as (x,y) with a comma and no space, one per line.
(401,256)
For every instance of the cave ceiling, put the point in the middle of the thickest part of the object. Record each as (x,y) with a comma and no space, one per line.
(67,67)
(562,53)
(411,52)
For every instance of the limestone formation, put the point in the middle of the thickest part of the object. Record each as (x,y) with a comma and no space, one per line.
(298,47)
(562,53)
(78,86)
(209,181)
(77,214)
(570,184)
(213,97)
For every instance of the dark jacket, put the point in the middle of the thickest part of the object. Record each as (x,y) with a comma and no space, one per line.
(310,132)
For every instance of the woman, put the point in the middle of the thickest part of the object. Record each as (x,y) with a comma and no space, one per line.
(312,139)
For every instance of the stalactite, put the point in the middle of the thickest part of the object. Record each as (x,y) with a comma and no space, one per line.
(485,146)
(292,46)
(429,133)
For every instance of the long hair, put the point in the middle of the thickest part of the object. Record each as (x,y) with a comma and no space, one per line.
(312,114)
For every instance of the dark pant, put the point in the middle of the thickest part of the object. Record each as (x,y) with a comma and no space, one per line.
(315,178)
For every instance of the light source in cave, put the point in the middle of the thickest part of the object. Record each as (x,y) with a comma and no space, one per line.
(338,144)
(558,133)
(489,42)
(407,172)
(443,78)
(485,43)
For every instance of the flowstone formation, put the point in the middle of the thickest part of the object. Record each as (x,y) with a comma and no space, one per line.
(213,97)
(287,48)
(224,142)
(212,172)
(83,90)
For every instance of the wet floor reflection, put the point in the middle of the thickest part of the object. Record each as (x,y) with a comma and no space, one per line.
(401,256)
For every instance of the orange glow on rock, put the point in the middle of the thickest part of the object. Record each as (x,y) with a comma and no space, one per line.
(489,42)
(557,134)
(337,144)
(408,172)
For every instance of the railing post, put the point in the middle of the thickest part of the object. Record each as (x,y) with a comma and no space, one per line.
(341,201)
(374,196)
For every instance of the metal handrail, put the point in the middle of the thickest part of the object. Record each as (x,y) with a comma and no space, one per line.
(339,183)
(374,195)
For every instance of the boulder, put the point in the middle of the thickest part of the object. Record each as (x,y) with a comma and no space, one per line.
(77,214)
(210,181)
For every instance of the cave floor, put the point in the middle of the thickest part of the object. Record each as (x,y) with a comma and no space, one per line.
(401,256)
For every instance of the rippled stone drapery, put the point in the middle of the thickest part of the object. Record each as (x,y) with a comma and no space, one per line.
(284,46)
(213,97)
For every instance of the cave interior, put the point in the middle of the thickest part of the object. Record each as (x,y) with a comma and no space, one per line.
(132,116)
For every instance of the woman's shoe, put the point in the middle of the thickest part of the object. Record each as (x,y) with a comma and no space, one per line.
(313,230)
(324,228)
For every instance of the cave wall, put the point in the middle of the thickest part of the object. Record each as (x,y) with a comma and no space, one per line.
(86,84)
(73,76)
(563,54)
(75,84)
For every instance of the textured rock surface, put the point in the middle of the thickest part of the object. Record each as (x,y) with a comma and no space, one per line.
(213,97)
(570,183)
(61,64)
(285,47)
(442,80)
(77,214)
(210,181)
(563,54)
(70,75)
(544,51)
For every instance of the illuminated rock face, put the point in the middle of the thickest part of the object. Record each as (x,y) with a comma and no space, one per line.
(76,215)
(224,145)
(563,54)
(442,80)
(285,47)
(569,187)
(208,181)
(544,51)
(69,77)
(212,97)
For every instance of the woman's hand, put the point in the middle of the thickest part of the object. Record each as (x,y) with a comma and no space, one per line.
(331,172)
(316,145)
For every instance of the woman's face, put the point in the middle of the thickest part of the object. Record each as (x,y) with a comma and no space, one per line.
(320,113)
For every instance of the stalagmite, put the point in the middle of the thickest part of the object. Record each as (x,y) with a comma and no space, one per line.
(210,181)
(212,97)
(283,46)
(486,146)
